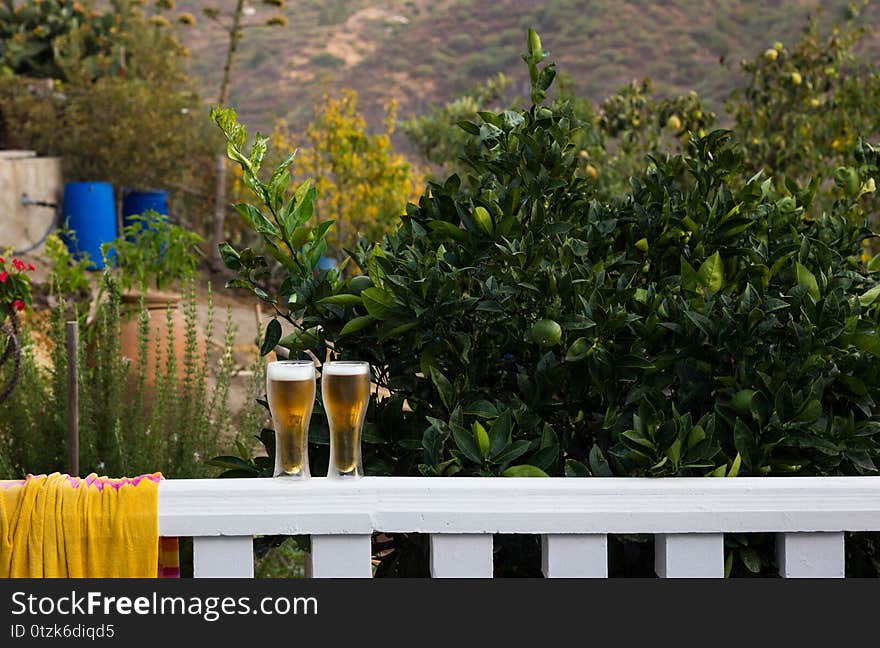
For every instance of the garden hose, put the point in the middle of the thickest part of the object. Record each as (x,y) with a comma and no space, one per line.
(27,202)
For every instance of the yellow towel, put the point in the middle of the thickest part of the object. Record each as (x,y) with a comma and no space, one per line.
(56,526)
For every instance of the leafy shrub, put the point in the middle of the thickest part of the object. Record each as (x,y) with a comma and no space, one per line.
(126,426)
(614,136)
(327,60)
(68,276)
(704,322)
(153,250)
(803,108)
(33,30)
(15,286)
(436,135)
(361,183)
(125,106)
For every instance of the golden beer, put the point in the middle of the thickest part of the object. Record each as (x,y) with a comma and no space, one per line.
(345,388)
(290,387)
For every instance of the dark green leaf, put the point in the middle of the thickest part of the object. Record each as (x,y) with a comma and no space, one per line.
(378,302)
(466,443)
(598,464)
(272,337)
(443,386)
(342,299)
(499,433)
(578,350)
(356,324)
(575,468)
(512,452)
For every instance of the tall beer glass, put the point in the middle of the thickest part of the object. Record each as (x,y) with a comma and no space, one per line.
(345,388)
(290,386)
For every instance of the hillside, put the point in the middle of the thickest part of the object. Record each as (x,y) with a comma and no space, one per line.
(422,52)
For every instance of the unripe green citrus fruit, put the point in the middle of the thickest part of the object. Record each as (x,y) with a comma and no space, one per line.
(359,283)
(546,332)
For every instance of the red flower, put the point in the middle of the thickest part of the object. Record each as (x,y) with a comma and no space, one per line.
(19,305)
(18,264)
(3,276)
(31,267)
(2,260)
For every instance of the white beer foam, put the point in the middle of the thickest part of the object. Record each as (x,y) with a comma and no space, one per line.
(289,371)
(345,368)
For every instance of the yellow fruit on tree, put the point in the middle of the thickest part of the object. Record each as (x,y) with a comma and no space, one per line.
(674,123)
(591,171)
(771,54)
(796,78)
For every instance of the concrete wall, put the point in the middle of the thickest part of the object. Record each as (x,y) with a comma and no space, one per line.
(21,172)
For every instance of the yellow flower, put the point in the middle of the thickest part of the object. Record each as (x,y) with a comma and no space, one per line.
(159,21)
(186,18)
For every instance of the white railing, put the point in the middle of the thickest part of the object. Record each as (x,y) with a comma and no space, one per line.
(688,517)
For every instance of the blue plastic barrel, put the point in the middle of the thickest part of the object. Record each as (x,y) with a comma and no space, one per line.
(135,203)
(88,219)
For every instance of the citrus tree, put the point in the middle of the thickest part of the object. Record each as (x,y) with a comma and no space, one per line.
(700,323)
(613,137)
(436,135)
(804,107)
(631,125)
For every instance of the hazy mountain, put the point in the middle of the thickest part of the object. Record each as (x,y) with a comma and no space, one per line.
(421,52)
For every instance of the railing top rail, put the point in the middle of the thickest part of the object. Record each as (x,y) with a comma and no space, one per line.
(208,507)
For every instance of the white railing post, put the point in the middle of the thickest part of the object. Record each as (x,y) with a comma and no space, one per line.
(223,557)
(575,555)
(340,556)
(689,555)
(461,555)
(810,555)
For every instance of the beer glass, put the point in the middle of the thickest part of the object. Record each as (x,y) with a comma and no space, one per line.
(345,389)
(290,387)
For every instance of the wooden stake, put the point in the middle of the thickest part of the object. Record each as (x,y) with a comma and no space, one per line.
(72,398)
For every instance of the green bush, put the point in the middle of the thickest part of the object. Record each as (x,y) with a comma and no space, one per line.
(126,426)
(614,137)
(68,276)
(436,136)
(116,88)
(33,32)
(704,322)
(152,250)
(804,107)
